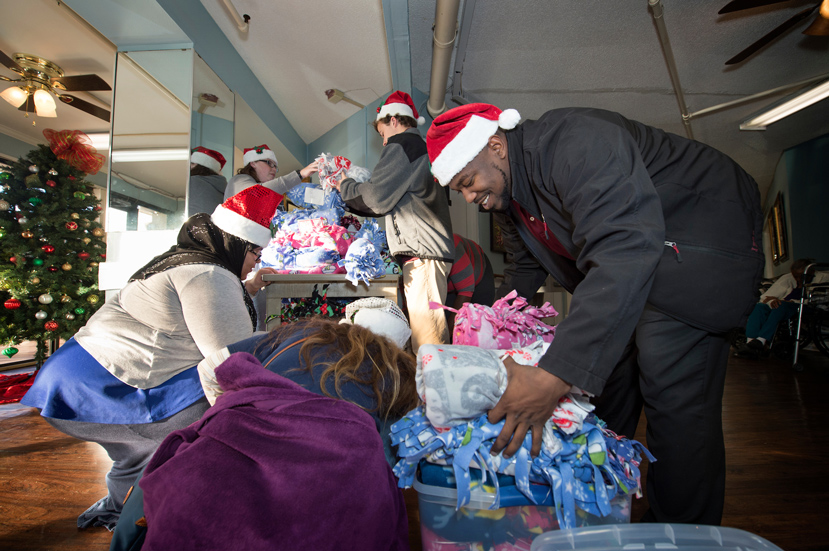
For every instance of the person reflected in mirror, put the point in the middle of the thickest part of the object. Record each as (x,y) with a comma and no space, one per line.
(128,377)
(206,187)
(416,211)
(471,278)
(779,303)
(261,168)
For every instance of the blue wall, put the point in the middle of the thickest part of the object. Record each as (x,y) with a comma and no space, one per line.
(807,171)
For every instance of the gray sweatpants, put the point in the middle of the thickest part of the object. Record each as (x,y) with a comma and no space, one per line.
(129,446)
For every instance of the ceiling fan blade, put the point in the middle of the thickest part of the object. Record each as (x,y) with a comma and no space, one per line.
(28,105)
(10,63)
(737,5)
(774,33)
(80,83)
(820,26)
(85,106)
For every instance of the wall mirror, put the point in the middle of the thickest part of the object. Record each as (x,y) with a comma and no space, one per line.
(151,121)
(212,126)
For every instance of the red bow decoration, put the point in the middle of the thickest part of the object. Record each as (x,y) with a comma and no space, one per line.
(75,147)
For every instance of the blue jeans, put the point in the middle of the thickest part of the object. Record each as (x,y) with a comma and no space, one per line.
(764,319)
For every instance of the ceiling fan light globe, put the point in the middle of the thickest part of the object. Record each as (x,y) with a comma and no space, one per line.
(45,112)
(44,102)
(14,95)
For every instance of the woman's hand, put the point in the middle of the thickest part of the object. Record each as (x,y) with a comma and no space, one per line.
(255,283)
(313,168)
(531,397)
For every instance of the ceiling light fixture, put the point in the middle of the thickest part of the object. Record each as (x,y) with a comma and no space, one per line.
(336,96)
(138,155)
(786,107)
(14,95)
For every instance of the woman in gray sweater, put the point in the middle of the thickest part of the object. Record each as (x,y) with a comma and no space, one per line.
(128,377)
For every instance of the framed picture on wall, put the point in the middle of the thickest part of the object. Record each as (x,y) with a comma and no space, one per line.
(777,231)
(496,236)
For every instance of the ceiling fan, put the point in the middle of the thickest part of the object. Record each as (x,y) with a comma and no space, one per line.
(818,27)
(41,79)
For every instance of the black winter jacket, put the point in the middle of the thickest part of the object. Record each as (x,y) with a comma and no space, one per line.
(648,216)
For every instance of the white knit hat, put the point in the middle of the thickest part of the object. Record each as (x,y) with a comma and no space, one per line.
(381,316)
(458,135)
(248,214)
(259,153)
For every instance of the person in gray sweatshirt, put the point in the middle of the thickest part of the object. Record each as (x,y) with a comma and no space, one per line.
(206,187)
(416,210)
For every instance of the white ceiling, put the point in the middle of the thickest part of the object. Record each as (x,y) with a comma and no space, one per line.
(531,55)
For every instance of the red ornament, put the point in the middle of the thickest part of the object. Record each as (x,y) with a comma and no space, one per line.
(71,226)
(50,183)
(103,255)
(98,208)
(48,249)
(50,325)
(12,304)
(13,260)
(83,255)
(72,177)
(52,269)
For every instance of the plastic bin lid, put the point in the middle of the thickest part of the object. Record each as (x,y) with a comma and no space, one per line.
(646,537)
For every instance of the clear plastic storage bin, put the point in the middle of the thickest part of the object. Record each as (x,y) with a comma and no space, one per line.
(646,537)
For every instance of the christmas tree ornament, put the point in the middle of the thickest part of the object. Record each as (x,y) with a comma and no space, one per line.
(35,201)
(27,234)
(93,264)
(37,262)
(79,195)
(74,216)
(41,315)
(4,285)
(65,298)
(47,249)
(86,240)
(79,311)
(14,259)
(85,223)
(53,172)
(51,183)
(52,269)
(5,176)
(70,316)
(66,267)
(83,255)
(12,304)
(92,299)
(71,226)
(103,255)
(50,325)
(4,205)
(73,178)
(98,232)
(45,298)
(22,220)
(2,234)
(32,168)
(97,208)
(10,351)
(35,280)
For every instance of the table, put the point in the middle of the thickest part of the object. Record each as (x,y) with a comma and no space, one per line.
(302,285)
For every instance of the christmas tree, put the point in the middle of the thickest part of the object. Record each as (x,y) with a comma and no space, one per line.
(51,243)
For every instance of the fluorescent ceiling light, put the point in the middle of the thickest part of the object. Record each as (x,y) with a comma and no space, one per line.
(786,107)
(100,141)
(138,155)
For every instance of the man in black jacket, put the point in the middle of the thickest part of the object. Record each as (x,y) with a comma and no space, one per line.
(658,238)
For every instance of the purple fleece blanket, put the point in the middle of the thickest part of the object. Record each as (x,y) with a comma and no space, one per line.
(273,466)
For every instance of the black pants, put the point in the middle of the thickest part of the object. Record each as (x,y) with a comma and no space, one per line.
(677,373)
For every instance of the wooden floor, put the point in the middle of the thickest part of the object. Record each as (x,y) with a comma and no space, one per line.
(777,484)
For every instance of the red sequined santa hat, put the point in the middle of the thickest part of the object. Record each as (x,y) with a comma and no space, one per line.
(248,214)
(213,160)
(259,153)
(399,104)
(458,135)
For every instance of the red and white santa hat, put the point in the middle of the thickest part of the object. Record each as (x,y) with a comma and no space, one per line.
(259,153)
(458,135)
(248,214)
(397,104)
(213,160)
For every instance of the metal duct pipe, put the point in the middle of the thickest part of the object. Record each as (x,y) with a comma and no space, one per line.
(443,42)
(662,32)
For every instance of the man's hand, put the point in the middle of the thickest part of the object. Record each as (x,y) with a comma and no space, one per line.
(529,401)
(773,302)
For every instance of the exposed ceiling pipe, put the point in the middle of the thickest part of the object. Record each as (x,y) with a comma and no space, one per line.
(443,42)
(242,21)
(460,53)
(662,33)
